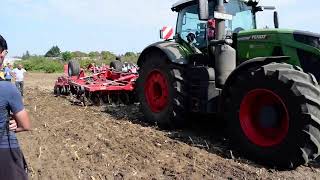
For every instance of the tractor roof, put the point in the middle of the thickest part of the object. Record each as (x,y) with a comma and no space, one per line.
(181,4)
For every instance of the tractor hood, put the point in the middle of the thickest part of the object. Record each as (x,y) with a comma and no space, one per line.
(259,33)
(269,35)
(276,42)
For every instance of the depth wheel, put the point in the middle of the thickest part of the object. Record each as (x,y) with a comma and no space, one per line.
(116,65)
(73,68)
(95,99)
(55,90)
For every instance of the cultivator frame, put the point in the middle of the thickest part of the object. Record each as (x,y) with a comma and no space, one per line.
(104,85)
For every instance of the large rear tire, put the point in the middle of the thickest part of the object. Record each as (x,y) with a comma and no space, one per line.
(73,68)
(161,90)
(273,115)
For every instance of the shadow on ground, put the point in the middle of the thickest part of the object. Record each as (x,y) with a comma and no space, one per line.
(200,131)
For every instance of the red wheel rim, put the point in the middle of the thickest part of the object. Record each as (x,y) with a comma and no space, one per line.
(156,91)
(254,116)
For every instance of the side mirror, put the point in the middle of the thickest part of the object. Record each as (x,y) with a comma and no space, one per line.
(268,8)
(276,19)
(203,10)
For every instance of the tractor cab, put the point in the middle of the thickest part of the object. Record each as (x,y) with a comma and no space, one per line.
(239,16)
(236,20)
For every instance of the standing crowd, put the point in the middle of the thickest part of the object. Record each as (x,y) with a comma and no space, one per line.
(8,73)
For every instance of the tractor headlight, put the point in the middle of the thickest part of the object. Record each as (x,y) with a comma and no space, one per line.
(306,39)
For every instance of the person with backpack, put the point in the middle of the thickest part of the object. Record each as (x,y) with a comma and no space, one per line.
(13,119)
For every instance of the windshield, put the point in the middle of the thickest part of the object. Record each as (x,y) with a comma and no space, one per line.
(189,23)
(243,18)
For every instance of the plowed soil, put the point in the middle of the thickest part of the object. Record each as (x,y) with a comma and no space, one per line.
(69,141)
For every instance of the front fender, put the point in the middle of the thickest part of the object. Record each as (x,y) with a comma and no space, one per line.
(259,61)
(255,62)
(175,52)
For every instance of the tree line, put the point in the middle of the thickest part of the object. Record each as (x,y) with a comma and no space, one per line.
(55,53)
(54,59)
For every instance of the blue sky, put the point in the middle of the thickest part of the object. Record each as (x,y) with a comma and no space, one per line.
(115,25)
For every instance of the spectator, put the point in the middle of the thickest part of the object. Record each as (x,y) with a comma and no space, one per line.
(19,76)
(12,162)
(8,72)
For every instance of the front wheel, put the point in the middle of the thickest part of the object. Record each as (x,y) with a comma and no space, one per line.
(161,90)
(273,115)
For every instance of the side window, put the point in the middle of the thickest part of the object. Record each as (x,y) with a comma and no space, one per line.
(189,22)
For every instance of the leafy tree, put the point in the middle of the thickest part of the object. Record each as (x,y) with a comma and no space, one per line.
(41,64)
(26,56)
(107,55)
(131,57)
(79,54)
(94,55)
(130,54)
(53,52)
(67,56)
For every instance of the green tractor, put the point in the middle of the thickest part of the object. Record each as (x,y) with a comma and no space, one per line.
(261,82)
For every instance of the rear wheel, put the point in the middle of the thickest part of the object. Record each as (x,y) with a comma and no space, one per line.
(73,68)
(161,90)
(116,65)
(272,115)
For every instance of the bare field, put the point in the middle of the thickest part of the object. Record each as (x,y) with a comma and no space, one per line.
(73,142)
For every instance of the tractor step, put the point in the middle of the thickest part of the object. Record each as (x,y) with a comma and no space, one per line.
(202,89)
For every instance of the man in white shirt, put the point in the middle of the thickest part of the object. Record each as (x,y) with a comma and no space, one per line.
(19,76)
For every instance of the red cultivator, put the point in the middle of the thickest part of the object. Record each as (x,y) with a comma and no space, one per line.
(107,84)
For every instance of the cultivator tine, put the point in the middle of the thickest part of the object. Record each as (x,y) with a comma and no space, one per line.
(84,100)
(109,99)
